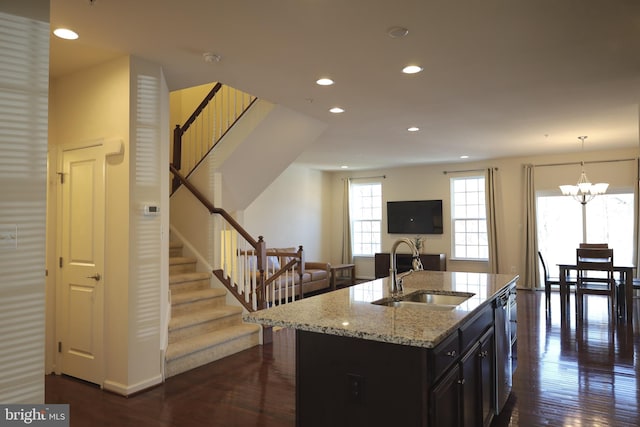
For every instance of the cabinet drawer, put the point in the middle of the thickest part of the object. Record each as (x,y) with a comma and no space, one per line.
(474,328)
(445,354)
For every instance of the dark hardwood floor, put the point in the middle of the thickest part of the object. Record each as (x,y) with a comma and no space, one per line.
(567,375)
(253,388)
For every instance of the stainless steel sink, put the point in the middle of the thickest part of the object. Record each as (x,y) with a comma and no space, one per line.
(428,299)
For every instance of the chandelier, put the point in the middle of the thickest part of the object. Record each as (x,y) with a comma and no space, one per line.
(584,191)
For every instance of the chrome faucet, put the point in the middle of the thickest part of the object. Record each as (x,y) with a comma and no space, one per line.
(416,265)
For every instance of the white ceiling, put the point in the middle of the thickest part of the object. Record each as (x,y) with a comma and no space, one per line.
(501,77)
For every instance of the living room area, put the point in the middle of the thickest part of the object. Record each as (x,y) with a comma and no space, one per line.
(306,182)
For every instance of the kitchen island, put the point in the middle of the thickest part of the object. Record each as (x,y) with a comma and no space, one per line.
(359,363)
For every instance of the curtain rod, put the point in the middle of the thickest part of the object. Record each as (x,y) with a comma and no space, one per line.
(368,177)
(470,170)
(586,163)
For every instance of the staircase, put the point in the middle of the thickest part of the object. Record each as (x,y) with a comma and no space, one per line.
(202,328)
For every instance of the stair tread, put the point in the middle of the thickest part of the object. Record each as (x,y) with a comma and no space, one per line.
(202,316)
(191,345)
(186,277)
(182,297)
(175,245)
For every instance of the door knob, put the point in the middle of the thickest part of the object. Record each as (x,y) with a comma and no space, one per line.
(95,277)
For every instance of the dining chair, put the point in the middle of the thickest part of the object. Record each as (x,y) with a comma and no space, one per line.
(594,245)
(595,276)
(550,281)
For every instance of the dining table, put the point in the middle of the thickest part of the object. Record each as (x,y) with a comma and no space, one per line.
(625,279)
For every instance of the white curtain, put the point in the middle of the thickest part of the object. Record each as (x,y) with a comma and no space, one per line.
(493,204)
(347,256)
(636,225)
(531,275)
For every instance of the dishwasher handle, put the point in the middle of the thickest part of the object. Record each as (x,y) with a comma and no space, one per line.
(502,301)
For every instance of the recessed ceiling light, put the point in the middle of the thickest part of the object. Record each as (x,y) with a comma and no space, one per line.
(412,69)
(397,32)
(413,129)
(344,167)
(324,81)
(65,33)
(337,110)
(464,157)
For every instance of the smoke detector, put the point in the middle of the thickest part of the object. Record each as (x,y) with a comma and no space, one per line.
(211,57)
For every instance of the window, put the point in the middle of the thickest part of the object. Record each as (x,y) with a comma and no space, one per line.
(608,219)
(366,218)
(469,218)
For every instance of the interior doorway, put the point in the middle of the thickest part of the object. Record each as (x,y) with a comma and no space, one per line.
(80,294)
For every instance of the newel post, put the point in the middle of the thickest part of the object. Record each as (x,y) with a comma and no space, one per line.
(261,258)
(177,154)
(301,268)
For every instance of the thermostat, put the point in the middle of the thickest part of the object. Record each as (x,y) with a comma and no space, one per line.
(151,210)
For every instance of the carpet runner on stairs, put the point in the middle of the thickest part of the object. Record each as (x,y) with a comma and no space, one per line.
(203,328)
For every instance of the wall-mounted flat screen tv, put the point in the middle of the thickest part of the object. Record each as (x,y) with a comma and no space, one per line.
(414,217)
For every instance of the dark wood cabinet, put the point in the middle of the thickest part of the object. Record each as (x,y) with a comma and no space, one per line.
(445,399)
(470,382)
(346,382)
(373,383)
(464,396)
(486,372)
(435,262)
(478,383)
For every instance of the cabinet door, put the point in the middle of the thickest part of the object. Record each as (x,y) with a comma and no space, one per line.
(471,387)
(478,387)
(486,372)
(445,399)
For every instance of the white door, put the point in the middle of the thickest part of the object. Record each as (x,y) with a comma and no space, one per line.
(80,307)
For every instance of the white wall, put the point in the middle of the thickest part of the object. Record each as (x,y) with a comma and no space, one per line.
(429,182)
(248,159)
(24,49)
(101,102)
(294,210)
(264,153)
(188,215)
(94,104)
(148,239)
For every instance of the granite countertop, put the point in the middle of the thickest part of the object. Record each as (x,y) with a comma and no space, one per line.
(349,312)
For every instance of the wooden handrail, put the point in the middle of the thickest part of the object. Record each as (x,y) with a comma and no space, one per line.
(178,131)
(200,107)
(260,247)
(213,210)
(203,146)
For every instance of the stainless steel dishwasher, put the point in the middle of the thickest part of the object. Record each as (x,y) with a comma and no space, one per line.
(505,338)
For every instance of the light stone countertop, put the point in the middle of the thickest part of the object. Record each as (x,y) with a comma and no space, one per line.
(349,312)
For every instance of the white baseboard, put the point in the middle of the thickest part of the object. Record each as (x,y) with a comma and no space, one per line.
(127,390)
